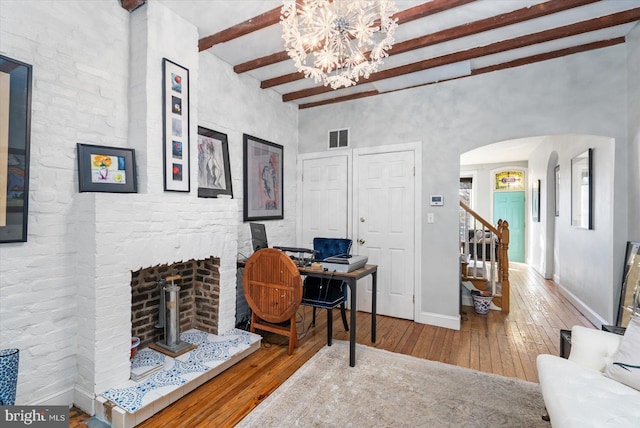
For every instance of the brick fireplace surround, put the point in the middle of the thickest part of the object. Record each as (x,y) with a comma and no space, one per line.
(199,298)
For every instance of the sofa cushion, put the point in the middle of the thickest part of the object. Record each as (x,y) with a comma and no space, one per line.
(581,397)
(593,348)
(625,363)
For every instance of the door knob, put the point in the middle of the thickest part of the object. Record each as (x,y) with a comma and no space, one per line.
(361,241)
(362,220)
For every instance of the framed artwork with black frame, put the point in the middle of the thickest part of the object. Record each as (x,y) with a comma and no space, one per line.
(15,136)
(175,105)
(629,297)
(263,175)
(557,189)
(214,169)
(106,169)
(582,190)
(535,200)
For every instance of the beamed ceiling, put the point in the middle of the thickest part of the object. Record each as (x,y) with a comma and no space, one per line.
(435,41)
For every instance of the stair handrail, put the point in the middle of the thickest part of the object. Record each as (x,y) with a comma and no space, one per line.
(502,234)
(492,253)
(477,216)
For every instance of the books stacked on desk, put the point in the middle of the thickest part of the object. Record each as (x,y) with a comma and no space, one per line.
(344,263)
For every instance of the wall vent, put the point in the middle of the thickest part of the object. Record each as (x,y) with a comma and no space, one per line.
(339,139)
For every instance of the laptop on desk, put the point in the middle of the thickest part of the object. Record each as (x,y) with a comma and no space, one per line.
(258,236)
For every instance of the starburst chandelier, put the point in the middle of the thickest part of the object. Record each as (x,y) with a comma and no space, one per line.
(337,42)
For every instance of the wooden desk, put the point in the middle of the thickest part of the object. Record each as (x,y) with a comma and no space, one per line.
(351,279)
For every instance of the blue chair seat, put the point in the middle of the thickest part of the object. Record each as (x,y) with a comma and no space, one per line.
(322,294)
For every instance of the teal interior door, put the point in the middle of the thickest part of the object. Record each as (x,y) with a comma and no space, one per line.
(509,206)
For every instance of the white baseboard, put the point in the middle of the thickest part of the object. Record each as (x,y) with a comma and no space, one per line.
(69,397)
(60,398)
(84,400)
(439,320)
(585,310)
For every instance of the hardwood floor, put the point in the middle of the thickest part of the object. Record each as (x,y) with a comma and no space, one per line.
(495,343)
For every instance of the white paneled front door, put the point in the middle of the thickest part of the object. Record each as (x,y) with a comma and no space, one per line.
(323,197)
(385,228)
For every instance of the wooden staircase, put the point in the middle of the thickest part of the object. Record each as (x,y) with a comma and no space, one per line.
(483,255)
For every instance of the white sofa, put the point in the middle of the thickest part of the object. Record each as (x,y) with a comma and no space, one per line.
(578,394)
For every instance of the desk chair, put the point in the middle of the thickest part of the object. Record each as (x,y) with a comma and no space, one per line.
(323,293)
(273,288)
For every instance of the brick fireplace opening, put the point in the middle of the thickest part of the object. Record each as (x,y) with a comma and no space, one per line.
(199,298)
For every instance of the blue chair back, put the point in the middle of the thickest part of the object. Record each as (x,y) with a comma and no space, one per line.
(328,247)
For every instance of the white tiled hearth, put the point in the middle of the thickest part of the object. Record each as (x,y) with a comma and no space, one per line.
(133,402)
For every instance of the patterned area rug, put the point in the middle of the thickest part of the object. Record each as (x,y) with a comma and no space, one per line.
(385,389)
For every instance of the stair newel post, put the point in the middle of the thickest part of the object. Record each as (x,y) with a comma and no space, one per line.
(503,249)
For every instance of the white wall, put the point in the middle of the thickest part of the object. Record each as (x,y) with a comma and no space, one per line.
(65,293)
(633,97)
(586,257)
(583,94)
(234,104)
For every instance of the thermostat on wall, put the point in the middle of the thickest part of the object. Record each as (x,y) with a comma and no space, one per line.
(437,200)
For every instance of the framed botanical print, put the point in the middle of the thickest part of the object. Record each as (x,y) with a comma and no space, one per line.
(214,170)
(175,104)
(263,172)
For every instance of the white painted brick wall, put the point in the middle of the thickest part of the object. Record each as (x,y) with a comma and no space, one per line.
(233,104)
(66,42)
(65,296)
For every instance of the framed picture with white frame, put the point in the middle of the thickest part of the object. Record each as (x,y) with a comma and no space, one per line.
(214,169)
(535,200)
(582,190)
(175,104)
